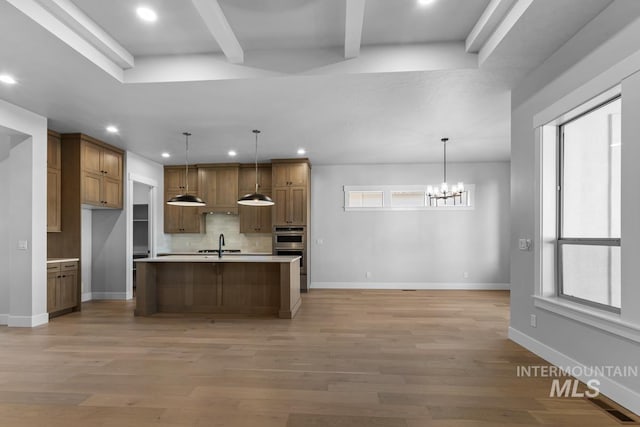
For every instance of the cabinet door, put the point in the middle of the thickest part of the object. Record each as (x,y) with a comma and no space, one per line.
(67,290)
(207,185)
(298,206)
(280,210)
(280,175)
(92,188)
(111,192)
(191,220)
(52,294)
(54,159)
(226,187)
(248,218)
(91,158)
(175,182)
(247,180)
(54,200)
(112,164)
(172,216)
(298,174)
(264,218)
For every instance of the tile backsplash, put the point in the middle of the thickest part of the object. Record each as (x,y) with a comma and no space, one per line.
(229,225)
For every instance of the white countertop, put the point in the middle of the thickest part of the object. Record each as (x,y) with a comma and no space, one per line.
(225,258)
(201,253)
(54,260)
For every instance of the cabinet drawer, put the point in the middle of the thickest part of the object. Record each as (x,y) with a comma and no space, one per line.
(68,266)
(53,267)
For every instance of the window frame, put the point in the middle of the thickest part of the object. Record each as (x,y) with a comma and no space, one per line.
(562,241)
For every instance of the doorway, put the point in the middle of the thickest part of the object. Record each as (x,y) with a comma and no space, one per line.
(140,224)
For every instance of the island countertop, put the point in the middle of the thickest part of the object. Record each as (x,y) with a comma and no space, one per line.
(224,258)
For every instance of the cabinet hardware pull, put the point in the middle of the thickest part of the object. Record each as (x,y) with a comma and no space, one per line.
(64,275)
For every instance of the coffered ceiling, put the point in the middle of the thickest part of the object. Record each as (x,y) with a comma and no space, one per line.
(351,81)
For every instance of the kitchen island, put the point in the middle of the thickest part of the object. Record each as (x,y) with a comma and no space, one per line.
(233,284)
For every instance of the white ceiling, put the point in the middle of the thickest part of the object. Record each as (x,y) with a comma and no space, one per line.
(391,104)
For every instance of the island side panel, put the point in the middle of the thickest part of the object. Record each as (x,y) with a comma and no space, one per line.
(290,300)
(146,303)
(250,288)
(187,287)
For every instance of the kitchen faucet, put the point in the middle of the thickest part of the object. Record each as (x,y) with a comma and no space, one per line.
(220,244)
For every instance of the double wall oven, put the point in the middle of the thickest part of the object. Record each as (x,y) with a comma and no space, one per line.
(291,240)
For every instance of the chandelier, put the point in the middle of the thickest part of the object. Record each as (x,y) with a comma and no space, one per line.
(442,192)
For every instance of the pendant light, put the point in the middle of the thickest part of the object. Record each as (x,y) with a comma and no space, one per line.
(444,192)
(186,199)
(255,199)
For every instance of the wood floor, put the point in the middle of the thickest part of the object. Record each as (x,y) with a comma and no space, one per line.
(349,359)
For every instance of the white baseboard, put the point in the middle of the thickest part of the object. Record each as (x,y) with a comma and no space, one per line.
(4,319)
(27,321)
(87,296)
(619,393)
(108,295)
(410,285)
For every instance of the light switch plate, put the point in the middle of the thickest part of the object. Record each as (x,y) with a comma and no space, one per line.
(524,244)
(23,245)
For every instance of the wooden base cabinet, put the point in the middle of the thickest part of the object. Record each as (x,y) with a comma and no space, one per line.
(63,293)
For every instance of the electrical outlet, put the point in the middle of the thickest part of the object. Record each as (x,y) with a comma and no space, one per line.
(368,275)
(534,321)
(465,274)
(23,245)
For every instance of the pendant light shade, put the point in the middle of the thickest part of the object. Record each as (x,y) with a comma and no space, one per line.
(186,199)
(255,199)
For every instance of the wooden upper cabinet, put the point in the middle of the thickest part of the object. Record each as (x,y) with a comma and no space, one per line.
(291,192)
(181,219)
(218,187)
(247,179)
(290,174)
(54,156)
(254,219)
(290,206)
(101,170)
(54,183)
(175,179)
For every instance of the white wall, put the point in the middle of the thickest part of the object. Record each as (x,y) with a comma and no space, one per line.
(25,275)
(86,246)
(108,254)
(410,249)
(605,64)
(4,231)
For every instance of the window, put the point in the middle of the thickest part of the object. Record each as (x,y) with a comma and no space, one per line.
(401,198)
(589,202)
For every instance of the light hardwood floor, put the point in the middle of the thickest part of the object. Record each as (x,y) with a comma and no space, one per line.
(350,359)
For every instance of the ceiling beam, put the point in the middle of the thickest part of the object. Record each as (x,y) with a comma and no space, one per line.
(213,17)
(504,28)
(354,19)
(68,35)
(486,25)
(88,29)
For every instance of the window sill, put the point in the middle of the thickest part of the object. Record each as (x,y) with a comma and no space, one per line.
(605,321)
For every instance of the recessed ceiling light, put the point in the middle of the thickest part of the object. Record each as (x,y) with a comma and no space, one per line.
(302,151)
(6,78)
(112,129)
(147,14)
(425,2)
(232,153)
(166,155)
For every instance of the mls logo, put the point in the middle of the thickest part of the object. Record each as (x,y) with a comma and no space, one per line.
(570,388)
